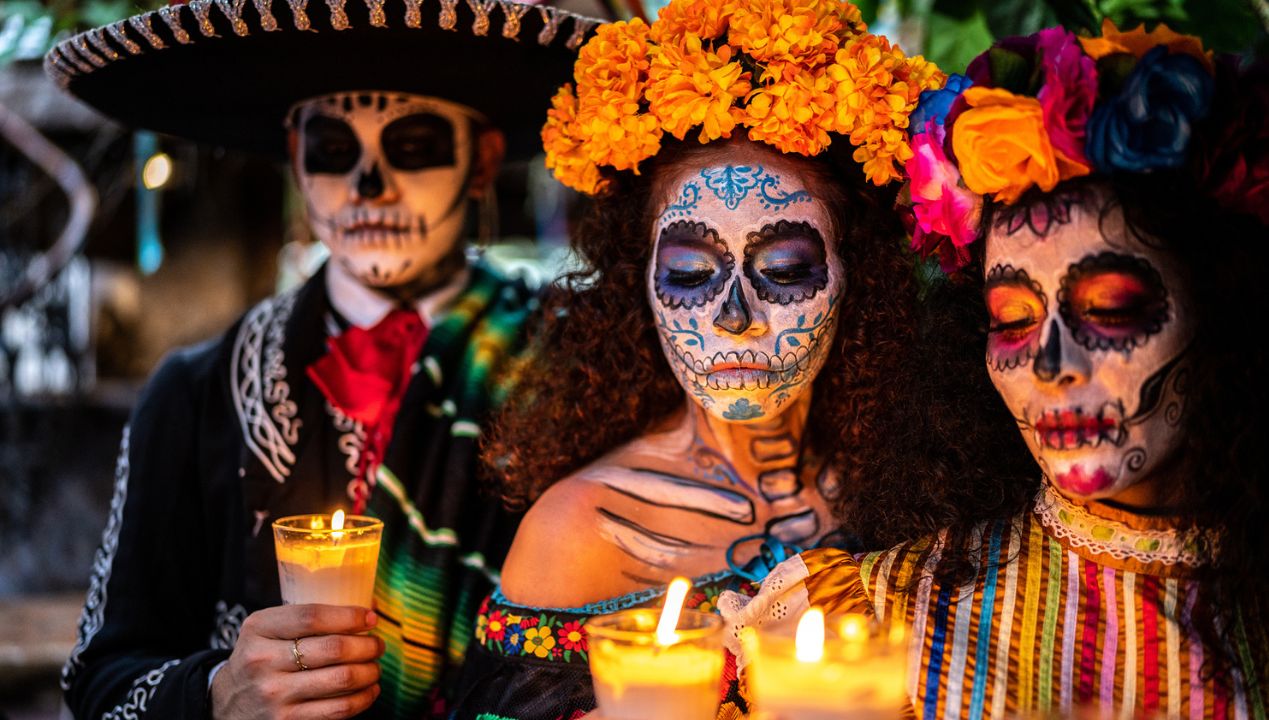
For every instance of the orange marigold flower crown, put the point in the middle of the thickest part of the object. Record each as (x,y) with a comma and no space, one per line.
(792,73)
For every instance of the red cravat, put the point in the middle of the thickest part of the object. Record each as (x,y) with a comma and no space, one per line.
(364,374)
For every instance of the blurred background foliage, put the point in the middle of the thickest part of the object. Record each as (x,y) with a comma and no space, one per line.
(952,32)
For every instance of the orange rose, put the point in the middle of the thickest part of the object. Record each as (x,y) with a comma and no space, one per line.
(1001,145)
(1138,42)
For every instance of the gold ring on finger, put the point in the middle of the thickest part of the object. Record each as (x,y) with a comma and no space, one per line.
(299,656)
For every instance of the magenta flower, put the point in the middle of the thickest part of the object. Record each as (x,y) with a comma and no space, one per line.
(946,212)
(1068,93)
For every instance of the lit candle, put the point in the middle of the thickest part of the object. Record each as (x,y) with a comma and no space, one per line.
(650,667)
(327,559)
(857,675)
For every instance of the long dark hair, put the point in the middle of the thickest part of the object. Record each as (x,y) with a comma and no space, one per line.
(1222,470)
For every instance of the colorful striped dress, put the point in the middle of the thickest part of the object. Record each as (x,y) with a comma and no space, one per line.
(1067,612)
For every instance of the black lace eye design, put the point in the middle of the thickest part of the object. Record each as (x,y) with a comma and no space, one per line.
(1112,301)
(330,146)
(692,265)
(786,262)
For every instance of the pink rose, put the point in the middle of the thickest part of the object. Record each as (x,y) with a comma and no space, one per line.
(1067,97)
(946,212)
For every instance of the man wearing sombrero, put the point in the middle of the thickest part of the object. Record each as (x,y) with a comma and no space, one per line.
(362,390)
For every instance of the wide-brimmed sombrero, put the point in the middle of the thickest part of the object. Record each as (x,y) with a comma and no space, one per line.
(225,72)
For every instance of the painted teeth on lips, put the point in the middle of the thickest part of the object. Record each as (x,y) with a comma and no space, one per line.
(1074,428)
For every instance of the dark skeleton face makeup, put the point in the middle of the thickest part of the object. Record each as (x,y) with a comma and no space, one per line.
(1088,331)
(385,176)
(744,341)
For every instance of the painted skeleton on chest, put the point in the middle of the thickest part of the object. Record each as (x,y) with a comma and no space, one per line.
(1088,340)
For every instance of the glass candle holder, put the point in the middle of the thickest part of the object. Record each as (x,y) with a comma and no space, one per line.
(319,564)
(639,678)
(860,675)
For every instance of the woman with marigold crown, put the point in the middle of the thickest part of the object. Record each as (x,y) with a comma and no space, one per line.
(1094,198)
(709,389)
(364,389)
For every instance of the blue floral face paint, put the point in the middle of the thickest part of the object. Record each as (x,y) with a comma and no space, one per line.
(745,342)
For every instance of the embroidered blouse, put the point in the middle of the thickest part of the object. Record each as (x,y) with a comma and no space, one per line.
(529,663)
(1068,611)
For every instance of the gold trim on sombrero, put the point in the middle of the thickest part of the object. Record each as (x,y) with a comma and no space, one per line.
(95,49)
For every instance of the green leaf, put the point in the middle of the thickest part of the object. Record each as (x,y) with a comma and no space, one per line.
(1112,71)
(1009,70)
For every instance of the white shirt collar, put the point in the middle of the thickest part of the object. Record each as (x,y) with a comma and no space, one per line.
(364,307)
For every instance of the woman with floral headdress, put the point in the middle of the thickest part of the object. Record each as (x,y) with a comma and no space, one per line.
(1103,202)
(709,389)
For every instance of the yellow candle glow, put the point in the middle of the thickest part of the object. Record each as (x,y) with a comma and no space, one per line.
(647,666)
(675,595)
(327,559)
(858,674)
(809,642)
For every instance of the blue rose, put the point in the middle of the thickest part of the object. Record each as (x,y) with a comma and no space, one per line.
(935,104)
(1149,123)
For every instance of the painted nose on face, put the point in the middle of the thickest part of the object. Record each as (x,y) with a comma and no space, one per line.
(370,183)
(1052,365)
(734,316)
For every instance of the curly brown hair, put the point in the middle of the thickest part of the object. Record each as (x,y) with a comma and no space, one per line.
(597,378)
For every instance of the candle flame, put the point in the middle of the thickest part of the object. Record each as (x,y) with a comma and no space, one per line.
(674,597)
(855,628)
(809,644)
(337,522)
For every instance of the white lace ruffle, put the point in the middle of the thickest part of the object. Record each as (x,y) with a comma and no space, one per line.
(1103,536)
(781,600)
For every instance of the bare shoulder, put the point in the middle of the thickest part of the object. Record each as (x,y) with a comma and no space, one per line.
(557,559)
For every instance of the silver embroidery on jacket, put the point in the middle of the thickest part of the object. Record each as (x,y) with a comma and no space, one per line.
(92,616)
(267,415)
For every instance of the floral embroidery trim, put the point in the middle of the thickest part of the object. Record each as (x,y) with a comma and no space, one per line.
(1104,536)
(560,635)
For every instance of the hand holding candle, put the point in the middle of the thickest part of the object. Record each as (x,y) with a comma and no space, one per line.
(329,560)
(647,667)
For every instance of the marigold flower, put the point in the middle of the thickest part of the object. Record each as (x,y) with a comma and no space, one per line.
(618,135)
(614,61)
(790,115)
(564,154)
(803,31)
(876,88)
(1001,145)
(1138,42)
(691,86)
(706,19)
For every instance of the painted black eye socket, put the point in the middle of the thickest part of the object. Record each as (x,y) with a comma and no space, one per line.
(692,265)
(788,275)
(1113,302)
(417,142)
(330,146)
(786,262)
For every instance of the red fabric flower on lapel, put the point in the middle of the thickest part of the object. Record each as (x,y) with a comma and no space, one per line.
(364,375)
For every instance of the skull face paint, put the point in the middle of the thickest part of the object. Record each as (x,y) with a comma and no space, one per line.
(385,177)
(743,285)
(1087,340)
